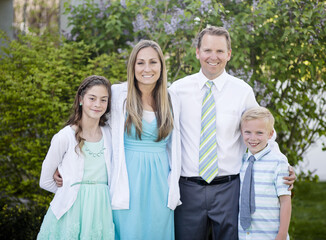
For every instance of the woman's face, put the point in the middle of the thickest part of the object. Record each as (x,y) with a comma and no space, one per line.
(147,67)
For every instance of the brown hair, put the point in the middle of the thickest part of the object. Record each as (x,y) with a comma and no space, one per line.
(215,31)
(76,115)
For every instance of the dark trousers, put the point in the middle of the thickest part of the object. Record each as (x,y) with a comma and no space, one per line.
(206,207)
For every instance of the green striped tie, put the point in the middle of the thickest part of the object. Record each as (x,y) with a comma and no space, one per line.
(208,147)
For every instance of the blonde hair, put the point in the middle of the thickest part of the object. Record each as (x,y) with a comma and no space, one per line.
(161,104)
(259,113)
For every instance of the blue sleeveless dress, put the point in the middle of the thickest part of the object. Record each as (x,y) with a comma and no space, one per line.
(90,217)
(148,168)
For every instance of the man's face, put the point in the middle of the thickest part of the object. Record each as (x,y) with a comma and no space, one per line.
(213,55)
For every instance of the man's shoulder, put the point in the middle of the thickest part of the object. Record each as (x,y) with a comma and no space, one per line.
(237,82)
(185,80)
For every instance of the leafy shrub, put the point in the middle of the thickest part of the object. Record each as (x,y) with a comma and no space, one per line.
(18,221)
(38,80)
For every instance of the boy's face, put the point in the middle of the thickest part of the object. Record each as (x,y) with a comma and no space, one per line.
(255,134)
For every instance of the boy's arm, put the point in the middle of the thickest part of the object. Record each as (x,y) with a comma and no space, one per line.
(285,217)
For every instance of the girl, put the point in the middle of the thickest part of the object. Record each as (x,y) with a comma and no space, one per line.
(146,148)
(81,151)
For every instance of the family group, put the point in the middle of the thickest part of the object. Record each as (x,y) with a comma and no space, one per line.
(143,161)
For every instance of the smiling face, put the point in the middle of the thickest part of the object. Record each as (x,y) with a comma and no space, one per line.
(95,102)
(213,55)
(147,67)
(255,134)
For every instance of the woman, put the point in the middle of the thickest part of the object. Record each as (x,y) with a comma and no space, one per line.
(146,148)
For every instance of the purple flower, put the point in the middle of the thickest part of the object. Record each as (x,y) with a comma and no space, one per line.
(140,23)
(311,39)
(255,4)
(169,30)
(123,3)
(227,24)
(100,15)
(205,6)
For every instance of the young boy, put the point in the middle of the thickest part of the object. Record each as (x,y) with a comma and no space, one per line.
(265,202)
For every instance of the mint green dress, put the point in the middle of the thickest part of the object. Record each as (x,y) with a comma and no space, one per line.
(90,217)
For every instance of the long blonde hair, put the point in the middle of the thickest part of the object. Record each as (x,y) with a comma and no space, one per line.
(162,103)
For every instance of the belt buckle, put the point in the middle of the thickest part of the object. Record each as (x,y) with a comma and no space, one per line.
(90,182)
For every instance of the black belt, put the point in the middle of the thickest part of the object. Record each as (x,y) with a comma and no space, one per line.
(216,180)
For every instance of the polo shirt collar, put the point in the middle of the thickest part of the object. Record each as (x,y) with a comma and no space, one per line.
(260,154)
(219,82)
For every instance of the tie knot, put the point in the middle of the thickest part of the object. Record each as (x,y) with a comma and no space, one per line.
(209,84)
(252,158)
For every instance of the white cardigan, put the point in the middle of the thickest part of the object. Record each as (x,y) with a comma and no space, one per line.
(119,187)
(62,155)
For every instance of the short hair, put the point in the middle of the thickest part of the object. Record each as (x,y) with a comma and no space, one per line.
(259,113)
(215,31)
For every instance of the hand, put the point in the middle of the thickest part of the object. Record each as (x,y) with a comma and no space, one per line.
(280,238)
(290,179)
(57,178)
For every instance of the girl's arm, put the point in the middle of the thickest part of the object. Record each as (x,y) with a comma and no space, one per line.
(285,217)
(51,162)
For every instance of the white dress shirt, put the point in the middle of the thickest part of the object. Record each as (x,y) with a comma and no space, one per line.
(119,187)
(232,97)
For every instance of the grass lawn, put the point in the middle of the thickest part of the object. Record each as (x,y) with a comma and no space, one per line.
(308,221)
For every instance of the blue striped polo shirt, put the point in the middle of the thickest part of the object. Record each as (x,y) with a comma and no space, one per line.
(269,169)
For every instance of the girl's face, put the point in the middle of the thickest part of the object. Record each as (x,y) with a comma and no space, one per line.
(147,67)
(95,102)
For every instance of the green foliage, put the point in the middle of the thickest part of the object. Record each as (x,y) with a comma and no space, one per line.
(310,176)
(38,80)
(18,221)
(39,77)
(279,48)
(308,208)
(107,25)
(115,26)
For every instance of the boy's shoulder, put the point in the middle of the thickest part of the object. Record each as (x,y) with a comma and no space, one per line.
(275,156)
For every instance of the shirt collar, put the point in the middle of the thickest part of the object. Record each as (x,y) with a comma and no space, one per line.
(218,82)
(260,154)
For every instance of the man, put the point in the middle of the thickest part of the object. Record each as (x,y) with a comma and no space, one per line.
(212,147)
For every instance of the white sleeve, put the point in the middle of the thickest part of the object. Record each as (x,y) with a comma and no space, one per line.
(52,160)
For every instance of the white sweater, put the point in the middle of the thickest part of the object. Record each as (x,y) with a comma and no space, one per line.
(62,155)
